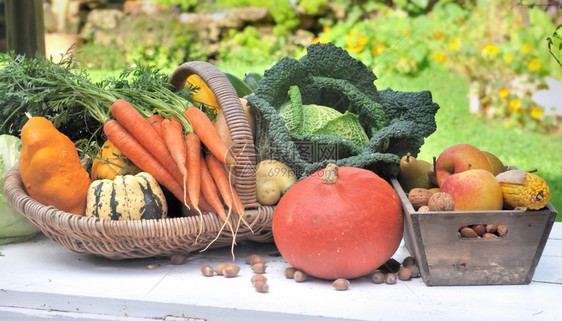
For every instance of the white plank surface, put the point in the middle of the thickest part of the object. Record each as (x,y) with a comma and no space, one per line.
(42,280)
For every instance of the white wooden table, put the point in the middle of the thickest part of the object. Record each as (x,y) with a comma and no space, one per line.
(41,280)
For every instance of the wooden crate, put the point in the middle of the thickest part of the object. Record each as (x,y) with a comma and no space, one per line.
(444,258)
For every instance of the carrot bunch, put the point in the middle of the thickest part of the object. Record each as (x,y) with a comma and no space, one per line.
(191,160)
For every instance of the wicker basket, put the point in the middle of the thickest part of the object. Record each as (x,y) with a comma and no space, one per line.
(166,237)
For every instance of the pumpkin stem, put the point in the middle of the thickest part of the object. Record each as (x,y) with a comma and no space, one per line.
(330,175)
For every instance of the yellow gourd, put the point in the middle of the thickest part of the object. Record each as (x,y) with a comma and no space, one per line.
(202,94)
(50,167)
(110,162)
(127,197)
(523,189)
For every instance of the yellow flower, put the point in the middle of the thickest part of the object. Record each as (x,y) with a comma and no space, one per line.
(407,32)
(455,44)
(319,40)
(351,47)
(378,49)
(326,29)
(362,40)
(536,112)
(504,92)
(350,36)
(515,105)
(534,65)
(508,58)
(438,57)
(527,48)
(490,50)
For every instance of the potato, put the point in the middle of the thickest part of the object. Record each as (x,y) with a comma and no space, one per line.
(267,191)
(281,173)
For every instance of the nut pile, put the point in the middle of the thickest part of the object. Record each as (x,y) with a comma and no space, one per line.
(258,265)
(482,231)
(425,200)
(392,270)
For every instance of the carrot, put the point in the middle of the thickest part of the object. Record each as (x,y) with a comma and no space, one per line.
(209,189)
(193,164)
(134,151)
(156,122)
(145,134)
(209,136)
(173,138)
(220,176)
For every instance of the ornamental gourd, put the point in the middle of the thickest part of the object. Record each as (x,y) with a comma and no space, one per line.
(338,223)
(50,167)
(110,162)
(126,197)
(523,189)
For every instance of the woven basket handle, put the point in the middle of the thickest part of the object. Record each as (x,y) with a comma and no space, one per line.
(242,139)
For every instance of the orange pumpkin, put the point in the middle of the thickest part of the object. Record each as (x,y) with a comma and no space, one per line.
(50,167)
(338,223)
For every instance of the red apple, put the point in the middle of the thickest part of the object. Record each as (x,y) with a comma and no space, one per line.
(459,158)
(474,190)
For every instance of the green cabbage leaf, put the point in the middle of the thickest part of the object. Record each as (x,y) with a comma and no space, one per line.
(14,227)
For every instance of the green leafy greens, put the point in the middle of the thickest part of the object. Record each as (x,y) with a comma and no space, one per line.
(395,122)
(14,227)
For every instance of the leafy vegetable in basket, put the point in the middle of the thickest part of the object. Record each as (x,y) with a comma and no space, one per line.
(50,167)
(14,227)
(394,122)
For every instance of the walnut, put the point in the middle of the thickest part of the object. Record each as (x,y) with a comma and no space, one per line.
(419,197)
(441,201)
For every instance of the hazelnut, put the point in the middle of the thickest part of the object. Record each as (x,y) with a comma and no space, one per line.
(390,278)
(419,197)
(207,270)
(468,232)
(300,276)
(258,277)
(341,284)
(261,286)
(404,274)
(491,228)
(441,201)
(178,259)
(290,272)
(480,229)
(501,230)
(415,270)
(378,277)
(220,268)
(408,261)
(489,235)
(231,270)
(258,268)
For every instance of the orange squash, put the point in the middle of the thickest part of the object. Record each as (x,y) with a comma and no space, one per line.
(338,223)
(110,162)
(50,167)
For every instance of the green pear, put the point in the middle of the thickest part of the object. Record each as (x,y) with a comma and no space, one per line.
(413,173)
(497,164)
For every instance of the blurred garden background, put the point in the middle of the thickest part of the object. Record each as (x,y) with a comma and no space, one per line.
(494,67)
